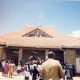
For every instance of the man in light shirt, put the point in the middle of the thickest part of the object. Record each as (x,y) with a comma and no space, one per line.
(52,69)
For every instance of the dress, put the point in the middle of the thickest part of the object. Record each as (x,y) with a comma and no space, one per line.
(11,67)
(52,70)
(6,68)
(3,64)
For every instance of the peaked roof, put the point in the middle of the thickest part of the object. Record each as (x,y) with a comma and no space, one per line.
(16,39)
(47,29)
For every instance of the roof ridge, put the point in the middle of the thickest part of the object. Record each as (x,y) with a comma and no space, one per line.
(69,42)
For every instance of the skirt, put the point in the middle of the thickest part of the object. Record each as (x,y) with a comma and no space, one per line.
(18,71)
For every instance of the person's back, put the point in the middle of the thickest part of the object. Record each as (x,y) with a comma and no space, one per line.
(52,70)
(68,74)
(71,71)
(35,72)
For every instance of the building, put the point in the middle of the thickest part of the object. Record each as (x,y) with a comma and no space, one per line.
(38,41)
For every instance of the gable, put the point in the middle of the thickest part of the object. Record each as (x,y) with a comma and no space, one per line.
(37,33)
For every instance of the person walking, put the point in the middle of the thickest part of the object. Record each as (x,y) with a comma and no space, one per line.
(52,69)
(11,67)
(18,69)
(3,64)
(35,72)
(68,74)
(6,68)
(27,72)
(64,69)
(71,71)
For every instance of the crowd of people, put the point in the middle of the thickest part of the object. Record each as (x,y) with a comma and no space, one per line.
(38,70)
(69,71)
(30,68)
(7,68)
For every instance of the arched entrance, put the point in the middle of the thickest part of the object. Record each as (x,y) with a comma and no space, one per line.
(35,53)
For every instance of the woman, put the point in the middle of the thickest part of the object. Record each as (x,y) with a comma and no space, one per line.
(11,67)
(3,63)
(6,68)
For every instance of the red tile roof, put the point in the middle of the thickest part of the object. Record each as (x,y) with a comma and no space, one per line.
(2,42)
(73,43)
(16,39)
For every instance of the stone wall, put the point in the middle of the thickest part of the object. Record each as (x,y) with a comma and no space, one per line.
(3,53)
(71,57)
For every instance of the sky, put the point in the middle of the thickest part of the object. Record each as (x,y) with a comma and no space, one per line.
(64,15)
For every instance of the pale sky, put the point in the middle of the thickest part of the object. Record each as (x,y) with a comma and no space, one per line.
(64,15)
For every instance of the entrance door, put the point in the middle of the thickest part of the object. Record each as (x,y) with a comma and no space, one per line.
(15,60)
(78,65)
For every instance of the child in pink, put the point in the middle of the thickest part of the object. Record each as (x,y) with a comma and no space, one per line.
(22,70)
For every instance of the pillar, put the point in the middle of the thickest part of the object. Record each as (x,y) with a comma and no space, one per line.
(1,52)
(64,56)
(20,54)
(46,54)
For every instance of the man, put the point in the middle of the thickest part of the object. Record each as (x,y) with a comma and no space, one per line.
(52,69)
(71,71)
(35,73)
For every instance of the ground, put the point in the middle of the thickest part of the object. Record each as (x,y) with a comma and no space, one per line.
(22,78)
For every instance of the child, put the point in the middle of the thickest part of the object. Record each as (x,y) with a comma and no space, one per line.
(19,69)
(35,72)
(15,71)
(22,70)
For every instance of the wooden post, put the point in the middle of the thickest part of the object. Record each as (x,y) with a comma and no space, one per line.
(20,54)
(46,54)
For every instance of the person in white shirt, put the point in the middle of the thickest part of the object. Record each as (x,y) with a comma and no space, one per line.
(19,69)
(27,72)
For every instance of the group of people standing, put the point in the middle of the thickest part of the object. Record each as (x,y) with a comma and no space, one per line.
(69,71)
(31,68)
(7,68)
(28,69)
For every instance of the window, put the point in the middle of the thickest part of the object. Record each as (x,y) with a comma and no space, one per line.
(15,51)
(78,53)
(37,33)
(34,52)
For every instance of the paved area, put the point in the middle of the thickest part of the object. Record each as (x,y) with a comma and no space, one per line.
(22,78)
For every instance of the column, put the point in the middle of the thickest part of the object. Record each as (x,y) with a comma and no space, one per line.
(46,54)
(20,54)
(0,55)
(64,56)
(1,51)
